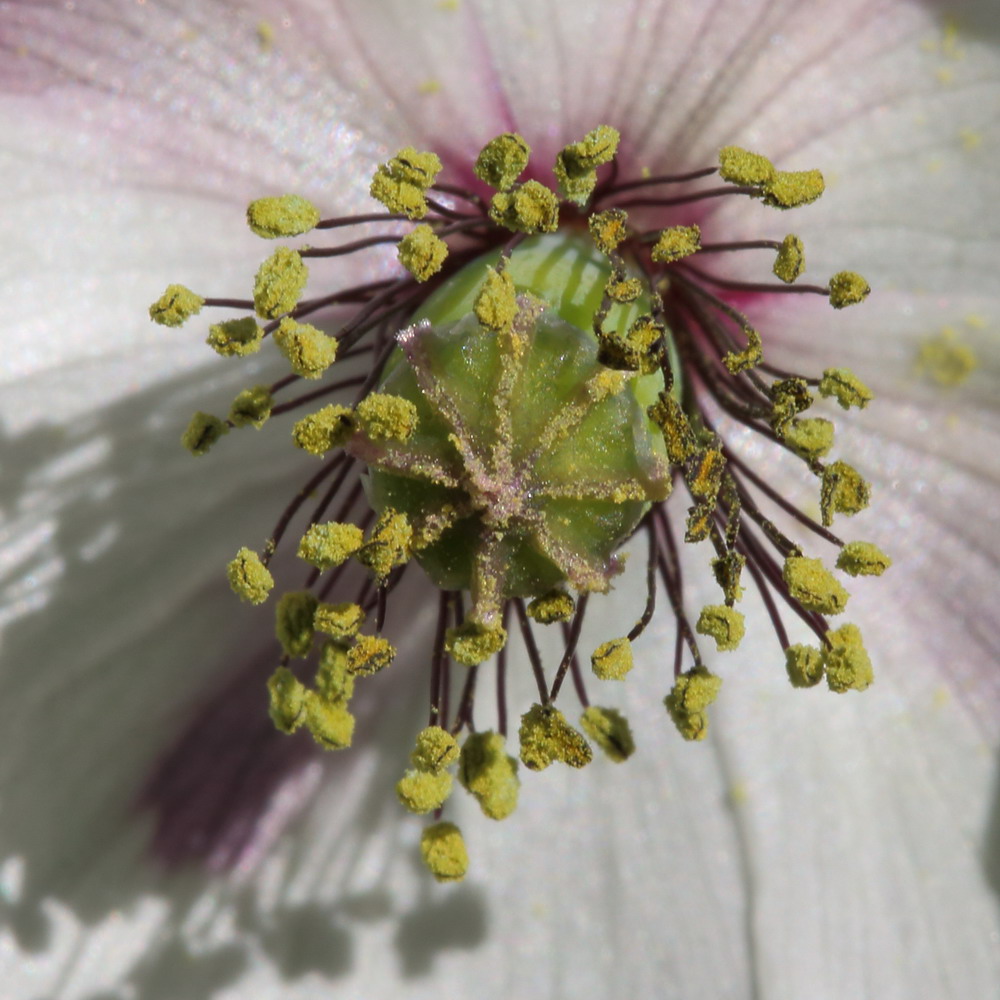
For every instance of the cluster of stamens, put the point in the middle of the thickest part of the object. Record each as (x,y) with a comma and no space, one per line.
(508,502)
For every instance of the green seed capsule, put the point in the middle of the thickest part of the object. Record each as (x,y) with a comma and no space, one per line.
(530,462)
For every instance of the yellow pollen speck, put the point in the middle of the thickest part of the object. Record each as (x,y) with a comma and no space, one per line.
(342,621)
(810,437)
(846,660)
(489,773)
(502,160)
(176,305)
(724,624)
(739,166)
(792,189)
(435,749)
(546,737)
(265,36)
(863,559)
(804,665)
(843,491)
(202,432)
(386,418)
(449,5)
(472,642)
(608,229)
(791,260)
(496,303)
(287,700)
(610,730)
(676,243)
(530,208)
(945,75)
(308,350)
(848,289)
(422,252)
(251,407)
(813,586)
(423,791)
(286,215)
(294,622)
(970,139)
(369,655)
(612,660)
(443,849)
(235,337)
(691,694)
(555,606)
(388,543)
(848,389)
(249,577)
(329,723)
(325,429)
(429,86)
(945,359)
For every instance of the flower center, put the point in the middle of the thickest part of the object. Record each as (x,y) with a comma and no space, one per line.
(541,377)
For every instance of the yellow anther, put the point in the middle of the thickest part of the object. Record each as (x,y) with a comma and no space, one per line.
(749,357)
(443,849)
(576,163)
(502,160)
(622,287)
(334,682)
(791,260)
(863,559)
(727,570)
(400,183)
(792,189)
(810,437)
(388,544)
(435,749)
(279,283)
(329,723)
(678,436)
(610,730)
(676,243)
(843,491)
(330,544)
(287,697)
(691,694)
(423,791)
(846,660)
(724,624)
(325,429)
(496,303)
(804,665)
(473,642)
(639,349)
(175,306)
(369,655)
(251,407)
(293,622)
(386,418)
(249,577)
(546,737)
(705,476)
(308,350)
(555,606)
(235,337)
(789,398)
(342,621)
(286,215)
(813,585)
(846,387)
(422,252)
(530,208)
(202,432)
(612,660)
(489,773)
(608,229)
(739,166)
(848,289)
